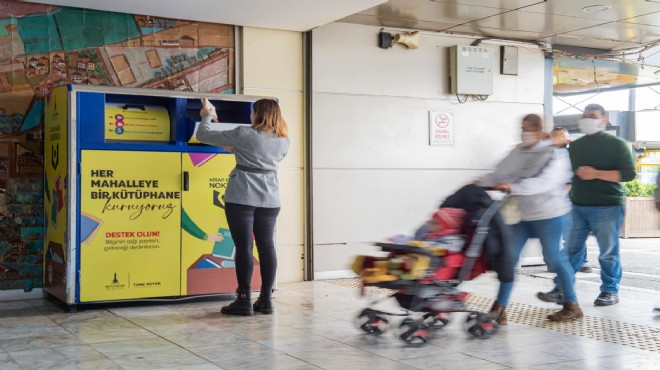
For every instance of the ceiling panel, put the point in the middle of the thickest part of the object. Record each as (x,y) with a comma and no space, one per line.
(536,22)
(372,20)
(427,10)
(501,4)
(627,24)
(621,9)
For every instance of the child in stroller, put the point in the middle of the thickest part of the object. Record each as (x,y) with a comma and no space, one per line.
(463,239)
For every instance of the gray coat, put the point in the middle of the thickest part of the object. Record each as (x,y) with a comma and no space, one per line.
(538,175)
(253,149)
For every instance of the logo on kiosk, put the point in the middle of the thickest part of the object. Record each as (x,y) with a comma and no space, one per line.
(115,284)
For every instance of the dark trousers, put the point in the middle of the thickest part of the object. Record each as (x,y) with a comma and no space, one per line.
(244,222)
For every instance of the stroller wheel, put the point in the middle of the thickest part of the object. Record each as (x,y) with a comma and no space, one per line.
(413,332)
(436,321)
(371,322)
(481,325)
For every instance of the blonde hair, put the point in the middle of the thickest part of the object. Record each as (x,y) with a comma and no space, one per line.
(267,117)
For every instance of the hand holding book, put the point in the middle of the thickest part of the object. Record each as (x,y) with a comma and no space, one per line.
(208,108)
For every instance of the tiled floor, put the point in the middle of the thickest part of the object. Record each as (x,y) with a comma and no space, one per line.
(313,328)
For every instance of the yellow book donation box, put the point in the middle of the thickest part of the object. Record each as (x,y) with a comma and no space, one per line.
(134,206)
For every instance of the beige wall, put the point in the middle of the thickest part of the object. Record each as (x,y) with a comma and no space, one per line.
(272,66)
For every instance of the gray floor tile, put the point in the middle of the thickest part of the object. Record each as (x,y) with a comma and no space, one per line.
(6,362)
(172,358)
(116,349)
(42,341)
(453,361)
(61,356)
(274,362)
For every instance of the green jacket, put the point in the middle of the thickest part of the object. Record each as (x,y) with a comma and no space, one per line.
(601,151)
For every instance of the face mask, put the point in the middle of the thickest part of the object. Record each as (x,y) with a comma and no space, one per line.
(528,138)
(589,126)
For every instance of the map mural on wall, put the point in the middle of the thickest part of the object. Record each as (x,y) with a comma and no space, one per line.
(44,46)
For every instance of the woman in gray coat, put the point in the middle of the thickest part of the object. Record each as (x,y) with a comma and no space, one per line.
(535,173)
(252,200)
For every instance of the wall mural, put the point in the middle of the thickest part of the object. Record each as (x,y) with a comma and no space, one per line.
(43,46)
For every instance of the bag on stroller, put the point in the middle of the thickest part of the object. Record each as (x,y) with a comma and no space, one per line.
(465,238)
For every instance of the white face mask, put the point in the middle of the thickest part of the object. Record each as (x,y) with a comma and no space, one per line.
(528,138)
(589,126)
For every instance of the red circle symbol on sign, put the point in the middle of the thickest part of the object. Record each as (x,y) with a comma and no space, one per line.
(441,120)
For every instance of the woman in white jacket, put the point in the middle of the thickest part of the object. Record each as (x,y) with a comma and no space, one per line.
(535,175)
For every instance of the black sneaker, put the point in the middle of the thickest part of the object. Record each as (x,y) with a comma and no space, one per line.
(554,295)
(606,299)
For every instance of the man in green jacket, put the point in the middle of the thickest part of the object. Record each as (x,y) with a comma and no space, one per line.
(601,162)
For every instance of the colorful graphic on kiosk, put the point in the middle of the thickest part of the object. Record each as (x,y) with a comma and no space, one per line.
(208,249)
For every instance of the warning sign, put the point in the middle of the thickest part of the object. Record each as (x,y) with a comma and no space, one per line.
(441,128)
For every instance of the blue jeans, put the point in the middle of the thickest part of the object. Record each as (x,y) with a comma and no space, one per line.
(605,223)
(244,223)
(549,232)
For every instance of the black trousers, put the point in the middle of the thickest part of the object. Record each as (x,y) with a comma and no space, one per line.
(244,222)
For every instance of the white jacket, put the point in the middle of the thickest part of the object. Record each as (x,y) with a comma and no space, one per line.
(539,176)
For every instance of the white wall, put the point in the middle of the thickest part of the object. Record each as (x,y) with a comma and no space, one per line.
(374,174)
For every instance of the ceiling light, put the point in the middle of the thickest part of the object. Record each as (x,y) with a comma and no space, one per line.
(596,8)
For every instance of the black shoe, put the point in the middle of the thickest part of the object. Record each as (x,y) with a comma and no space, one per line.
(586,269)
(242,306)
(554,295)
(606,299)
(263,305)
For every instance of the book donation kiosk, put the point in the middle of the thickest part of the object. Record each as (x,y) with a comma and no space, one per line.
(134,205)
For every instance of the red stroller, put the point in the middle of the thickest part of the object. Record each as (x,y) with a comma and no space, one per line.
(425,275)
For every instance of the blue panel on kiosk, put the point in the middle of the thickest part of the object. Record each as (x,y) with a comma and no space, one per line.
(90,110)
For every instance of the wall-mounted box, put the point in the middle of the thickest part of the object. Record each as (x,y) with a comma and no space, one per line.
(509,60)
(471,70)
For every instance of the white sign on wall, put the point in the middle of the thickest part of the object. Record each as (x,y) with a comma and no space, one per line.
(441,128)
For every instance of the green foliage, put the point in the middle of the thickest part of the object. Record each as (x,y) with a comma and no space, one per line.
(636,189)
